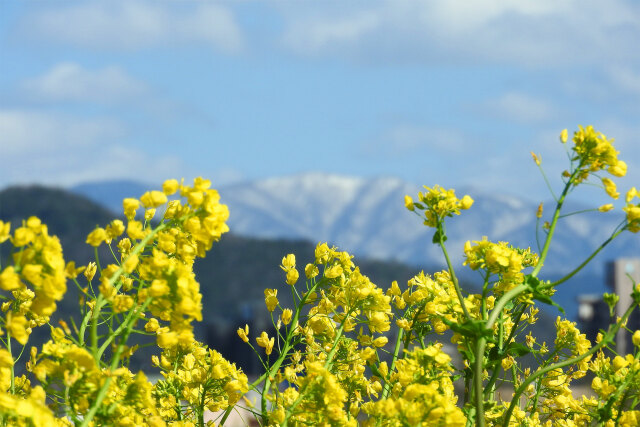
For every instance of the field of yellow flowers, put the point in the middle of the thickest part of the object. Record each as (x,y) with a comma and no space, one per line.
(331,361)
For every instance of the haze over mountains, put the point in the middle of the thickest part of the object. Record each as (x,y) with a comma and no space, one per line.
(367,217)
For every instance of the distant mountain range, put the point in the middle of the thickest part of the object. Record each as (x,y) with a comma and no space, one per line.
(367,217)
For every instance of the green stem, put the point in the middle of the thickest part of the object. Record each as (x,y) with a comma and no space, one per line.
(585,262)
(454,279)
(396,351)
(554,222)
(477,383)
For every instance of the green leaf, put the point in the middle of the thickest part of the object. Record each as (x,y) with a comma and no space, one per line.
(436,237)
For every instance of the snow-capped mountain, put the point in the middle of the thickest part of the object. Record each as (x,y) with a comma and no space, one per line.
(367,217)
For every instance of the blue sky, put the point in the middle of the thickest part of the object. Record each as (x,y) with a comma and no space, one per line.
(447,92)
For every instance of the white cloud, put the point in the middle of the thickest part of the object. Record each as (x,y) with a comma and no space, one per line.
(135,24)
(70,82)
(533,33)
(56,149)
(519,107)
(27,132)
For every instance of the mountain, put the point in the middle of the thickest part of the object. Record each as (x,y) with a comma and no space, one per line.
(367,217)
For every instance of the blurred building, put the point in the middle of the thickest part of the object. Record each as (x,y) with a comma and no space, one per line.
(622,275)
(593,312)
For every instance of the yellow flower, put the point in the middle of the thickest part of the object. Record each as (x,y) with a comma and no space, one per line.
(270,299)
(9,279)
(619,169)
(286,316)
(408,203)
(267,343)
(96,237)
(130,263)
(311,271)
(167,339)
(153,199)
(564,136)
(631,194)
(90,271)
(130,206)
(292,276)
(288,262)
(636,338)
(18,328)
(5,229)
(6,360)
(466,202)
(380,341)
(170,186)
(22,237)
(610,188)
(135,230)
(244,333)
(152,325)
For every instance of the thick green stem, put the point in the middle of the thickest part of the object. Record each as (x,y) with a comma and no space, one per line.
(477,383)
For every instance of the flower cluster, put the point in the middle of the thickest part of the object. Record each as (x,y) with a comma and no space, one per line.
(500,259)
(632,210)
(36,280)
(422,393)
(438,203)
(196,380)
(594,152)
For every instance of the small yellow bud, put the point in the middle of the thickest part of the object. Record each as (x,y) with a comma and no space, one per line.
(564,136)
(631,194)
(90,271)
(535,158)
(539,212)
(606,208)
(466,202)
(610,188)
(408,203)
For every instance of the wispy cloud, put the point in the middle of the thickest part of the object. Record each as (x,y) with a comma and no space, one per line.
(626,79)
(410,139)
(69,81)
(521,32)
(519,107)
(63,150)
(134,24)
